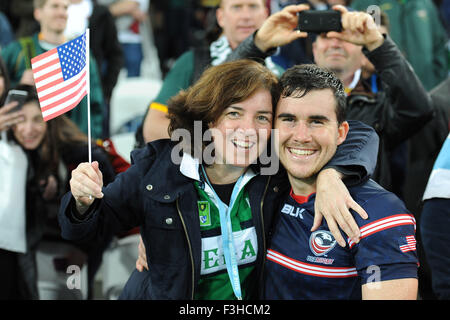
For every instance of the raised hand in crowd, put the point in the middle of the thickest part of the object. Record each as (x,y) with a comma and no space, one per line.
(7,118)
(358,28)
(280,28)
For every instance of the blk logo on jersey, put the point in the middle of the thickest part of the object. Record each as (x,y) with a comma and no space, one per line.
(321,242)
(293,211)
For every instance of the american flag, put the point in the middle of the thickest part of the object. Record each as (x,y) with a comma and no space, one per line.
(410,244)
(60,77)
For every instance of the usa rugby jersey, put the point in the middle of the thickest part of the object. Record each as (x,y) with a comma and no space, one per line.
(301,264)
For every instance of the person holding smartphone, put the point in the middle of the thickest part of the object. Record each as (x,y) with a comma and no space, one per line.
(7,118)
(9,276)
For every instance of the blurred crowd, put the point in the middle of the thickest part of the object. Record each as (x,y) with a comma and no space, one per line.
(172,42)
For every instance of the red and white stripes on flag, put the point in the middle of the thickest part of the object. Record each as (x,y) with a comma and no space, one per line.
(410,244)
(60,77)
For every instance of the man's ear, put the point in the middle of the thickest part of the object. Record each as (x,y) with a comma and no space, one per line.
(342,132)
(314,45)
(219,17)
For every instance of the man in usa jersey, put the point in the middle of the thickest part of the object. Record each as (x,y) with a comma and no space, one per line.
(301,264)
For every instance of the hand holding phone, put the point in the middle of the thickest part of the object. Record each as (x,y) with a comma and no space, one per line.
(7,119)
(358,28)
(16,95)
(280,28)
(319,21)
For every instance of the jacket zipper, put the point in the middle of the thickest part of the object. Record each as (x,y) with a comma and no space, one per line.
(190,248)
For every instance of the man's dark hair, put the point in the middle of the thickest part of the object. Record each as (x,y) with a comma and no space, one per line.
(298,80)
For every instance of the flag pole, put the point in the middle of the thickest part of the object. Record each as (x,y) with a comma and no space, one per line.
(88,89)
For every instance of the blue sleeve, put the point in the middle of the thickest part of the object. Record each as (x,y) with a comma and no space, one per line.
(357,156)
(386,272)
(387,243)
(138,286)
(120,210)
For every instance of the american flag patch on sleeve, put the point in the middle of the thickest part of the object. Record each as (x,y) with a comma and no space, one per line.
(410,244)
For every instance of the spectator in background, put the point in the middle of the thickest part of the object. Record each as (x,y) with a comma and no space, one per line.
(399,154)
(417,30)
(21,11)
(172,28)
(128,15)
(203,22)
(104,45)
(368,69)
(52,17)
(238,19)
(6,35)
(15,283)
(435,220)
(423,149)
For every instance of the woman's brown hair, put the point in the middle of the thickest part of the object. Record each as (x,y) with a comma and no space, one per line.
(218,88)
(61,133)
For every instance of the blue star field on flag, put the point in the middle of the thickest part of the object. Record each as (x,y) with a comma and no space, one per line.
(72,56)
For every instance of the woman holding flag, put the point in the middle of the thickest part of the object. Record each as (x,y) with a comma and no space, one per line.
(204,220)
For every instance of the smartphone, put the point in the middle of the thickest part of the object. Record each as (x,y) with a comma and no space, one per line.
(318,21)
(16,95)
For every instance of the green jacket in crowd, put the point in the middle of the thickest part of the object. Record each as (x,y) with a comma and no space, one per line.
(416,29)
(16,56)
